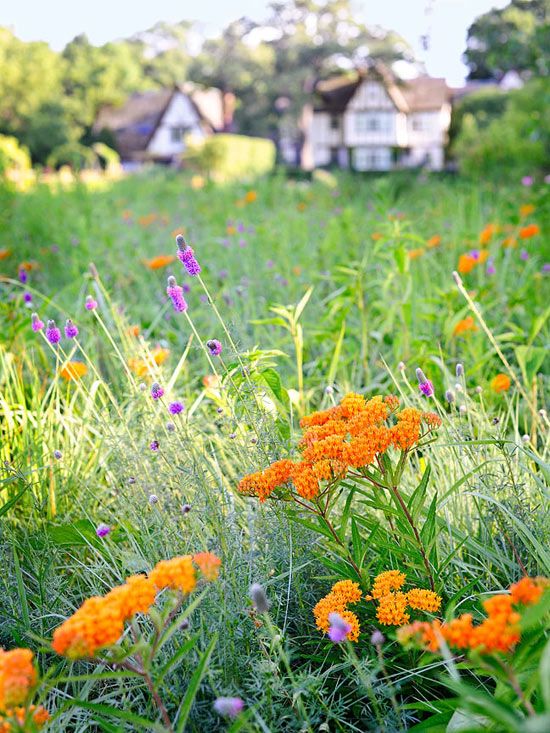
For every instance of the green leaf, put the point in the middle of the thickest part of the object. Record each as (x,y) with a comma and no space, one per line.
(544,673)
(416,502)
(302,304)
(193,687)
(184,649)
(13,501)
(273,381)
(110,711)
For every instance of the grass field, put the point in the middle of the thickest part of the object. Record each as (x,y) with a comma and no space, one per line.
(314,290)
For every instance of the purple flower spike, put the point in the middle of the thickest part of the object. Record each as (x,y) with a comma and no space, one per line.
(27,298)
(491,269)
(154,445)
(36,324)
(90,304)
(174,408)
(524,255)
(424,384)
(156,391)
(214,347)
(527,180)
(229,706)
(187,257)
(22,275)
(53,334)
(175,293)
(71,331)
(546,267)
(339,628)
(103,530)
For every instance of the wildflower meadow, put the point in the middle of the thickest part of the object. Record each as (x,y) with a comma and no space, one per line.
(274,454)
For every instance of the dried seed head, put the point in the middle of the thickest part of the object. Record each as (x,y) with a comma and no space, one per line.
(259,598)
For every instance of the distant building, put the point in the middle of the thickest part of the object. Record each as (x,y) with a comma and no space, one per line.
(371,121)
(152,125)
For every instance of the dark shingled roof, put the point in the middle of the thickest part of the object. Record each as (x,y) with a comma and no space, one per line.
(134,123)
(414,95)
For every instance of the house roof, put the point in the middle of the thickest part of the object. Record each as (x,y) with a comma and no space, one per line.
(135,122)
(422,93)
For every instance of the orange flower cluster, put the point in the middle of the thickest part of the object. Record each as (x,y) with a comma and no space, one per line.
(487,234)
(414,254)
(141,367)
(531,230)
(526,209)
(393,602)
(341,595)
(348,436)
(501,383)
(465,325)
(20,715)
(467,262)
(434,241)
(73,370)
(17,676)
(498,632)
(99,622)
(158,262)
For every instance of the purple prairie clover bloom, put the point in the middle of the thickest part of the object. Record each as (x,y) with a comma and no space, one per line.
(242,243)
(174,408)
(476,254)
(424,384)
(154,445)
(22,275)
(214,347)
(527,181)
(102,530)
(186,256)
(175,293)
(524,255)
(27,298)
(491,269)
(229,707)
(57,455)
(36,324)
(240,227)
(203,298)
(339,628)
(90,303)
(377,638)
(53,334)
(71,331)
(546,267)
(547,178)
(156,391)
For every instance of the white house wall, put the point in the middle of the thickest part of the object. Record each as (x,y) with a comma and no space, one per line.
(180,115)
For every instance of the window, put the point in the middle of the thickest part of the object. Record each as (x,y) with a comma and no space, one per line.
(372,122)
(371,159)
(177,133)
(334,122)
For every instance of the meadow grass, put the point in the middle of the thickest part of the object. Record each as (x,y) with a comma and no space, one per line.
(315,290)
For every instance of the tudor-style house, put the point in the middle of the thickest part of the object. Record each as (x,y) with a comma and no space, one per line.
(372,121)
(152,125)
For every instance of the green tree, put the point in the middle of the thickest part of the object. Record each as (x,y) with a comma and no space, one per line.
(30,76)
(516,38)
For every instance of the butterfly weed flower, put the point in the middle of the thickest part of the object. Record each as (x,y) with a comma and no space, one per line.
(17,677)
(71,331)
(36,324)
(229,707)
(186,256)
(424,384)
(90,303)
(53,334)
(175,293)
(156,391)
(214,346)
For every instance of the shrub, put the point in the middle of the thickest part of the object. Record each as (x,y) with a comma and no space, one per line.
(229,157)
(512,145)
(74,155)
(12,155)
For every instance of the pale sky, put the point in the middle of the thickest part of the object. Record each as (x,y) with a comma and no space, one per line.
(58,21)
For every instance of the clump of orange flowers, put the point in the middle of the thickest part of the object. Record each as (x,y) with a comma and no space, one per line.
(531,230)
(158,262)
(498,632)
(347,437)
(393,603)
(501,383)
(342,594)
(141,367)
(434,241)
(468,261)
(465,325)
(17,678)
(487,233)
(99,622)
(73,370)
